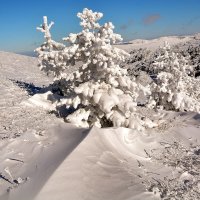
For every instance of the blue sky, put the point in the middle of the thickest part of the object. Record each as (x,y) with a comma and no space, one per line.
(132,18)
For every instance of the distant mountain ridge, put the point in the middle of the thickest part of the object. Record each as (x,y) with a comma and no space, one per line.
(154,44)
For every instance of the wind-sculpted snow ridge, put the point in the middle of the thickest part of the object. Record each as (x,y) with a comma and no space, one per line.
(125,164)
(100,92)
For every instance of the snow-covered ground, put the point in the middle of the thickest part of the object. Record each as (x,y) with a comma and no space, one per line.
(44,158)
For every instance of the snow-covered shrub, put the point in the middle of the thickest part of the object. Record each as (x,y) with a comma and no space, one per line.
(175,88)
(139,60)
(194,52)
(100,92)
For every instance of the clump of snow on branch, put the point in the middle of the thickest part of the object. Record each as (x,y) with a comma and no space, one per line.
(175,87)
(99,92)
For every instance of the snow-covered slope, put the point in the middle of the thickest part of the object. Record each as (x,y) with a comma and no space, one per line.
(19,78)
(22,128)
(42,157)
(22,68)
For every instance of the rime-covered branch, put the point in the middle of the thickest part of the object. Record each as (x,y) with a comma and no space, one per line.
(49,51)
(45,28)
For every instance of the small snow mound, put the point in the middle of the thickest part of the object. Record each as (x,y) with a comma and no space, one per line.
(45,100)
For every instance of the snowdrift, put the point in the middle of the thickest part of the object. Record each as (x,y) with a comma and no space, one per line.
(99,163)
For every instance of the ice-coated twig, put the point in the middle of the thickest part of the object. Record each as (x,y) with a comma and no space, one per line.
(14,159)
(5,179)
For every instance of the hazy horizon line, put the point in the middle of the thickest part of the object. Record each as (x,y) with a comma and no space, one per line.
(32,53)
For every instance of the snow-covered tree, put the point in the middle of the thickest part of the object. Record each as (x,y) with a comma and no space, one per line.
(175,88)
(100,92)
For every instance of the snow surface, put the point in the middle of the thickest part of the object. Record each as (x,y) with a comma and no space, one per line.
(44,158)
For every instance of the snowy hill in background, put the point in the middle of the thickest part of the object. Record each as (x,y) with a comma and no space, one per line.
(143,52)
(156,43)
(43,158)
(22,68)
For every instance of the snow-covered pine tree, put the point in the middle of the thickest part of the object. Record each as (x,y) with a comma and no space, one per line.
(175,88)
(100,92)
